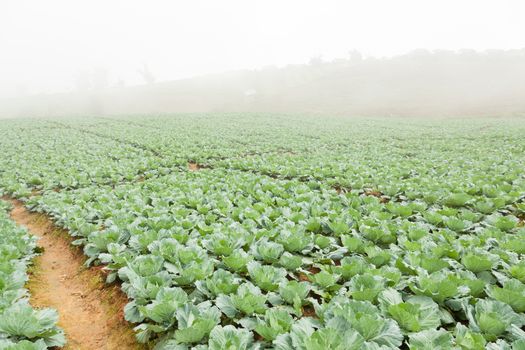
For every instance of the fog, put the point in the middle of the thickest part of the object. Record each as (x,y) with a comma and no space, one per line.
(379,57)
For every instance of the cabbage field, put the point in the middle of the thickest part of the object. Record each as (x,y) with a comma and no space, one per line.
(283,232)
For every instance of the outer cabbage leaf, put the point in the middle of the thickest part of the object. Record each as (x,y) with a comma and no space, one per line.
(231,338)
(431,339)
(196,322)
(492,318)
(512,293)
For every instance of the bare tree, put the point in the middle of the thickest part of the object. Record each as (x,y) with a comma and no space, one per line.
(146,74)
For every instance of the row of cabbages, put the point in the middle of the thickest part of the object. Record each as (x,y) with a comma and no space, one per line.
(21,326)
(225,259)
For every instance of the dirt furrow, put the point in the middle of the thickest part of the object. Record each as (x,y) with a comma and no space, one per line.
(90,311)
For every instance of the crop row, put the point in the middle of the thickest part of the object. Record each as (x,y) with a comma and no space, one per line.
(273,257)
(301,234)
(21,326)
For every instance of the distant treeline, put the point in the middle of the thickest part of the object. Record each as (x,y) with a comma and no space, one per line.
(421,83)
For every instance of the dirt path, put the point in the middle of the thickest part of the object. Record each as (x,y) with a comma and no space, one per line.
(90,312)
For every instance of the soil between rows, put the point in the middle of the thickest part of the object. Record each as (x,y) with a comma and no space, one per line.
(90,312)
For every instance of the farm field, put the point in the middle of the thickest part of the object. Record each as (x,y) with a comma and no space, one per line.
(234,231)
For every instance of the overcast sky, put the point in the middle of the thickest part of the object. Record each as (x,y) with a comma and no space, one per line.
(44,45)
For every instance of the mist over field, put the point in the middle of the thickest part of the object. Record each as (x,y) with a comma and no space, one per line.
(374,58)
(421,83)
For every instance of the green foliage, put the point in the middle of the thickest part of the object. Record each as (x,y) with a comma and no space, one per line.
(275,322)
(373,234)
(512,293)
(21,326)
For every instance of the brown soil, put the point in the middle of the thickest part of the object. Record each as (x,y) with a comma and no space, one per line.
(341,189)
(373,193)
(308,311)
(192,166)
(90,311)
(314,270)
(303,277)
(377,194)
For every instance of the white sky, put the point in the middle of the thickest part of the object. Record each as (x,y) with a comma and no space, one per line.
(45,44)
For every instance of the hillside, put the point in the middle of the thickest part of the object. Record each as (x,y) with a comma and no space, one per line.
(422,83)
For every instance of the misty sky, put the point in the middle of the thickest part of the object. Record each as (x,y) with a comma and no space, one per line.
(46,45)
